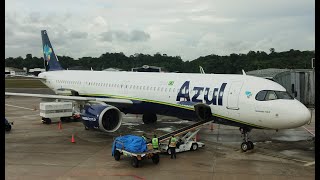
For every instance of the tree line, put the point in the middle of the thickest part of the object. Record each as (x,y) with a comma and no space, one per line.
(231,64)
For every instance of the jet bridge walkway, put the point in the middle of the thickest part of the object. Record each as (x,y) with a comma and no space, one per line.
(183,130)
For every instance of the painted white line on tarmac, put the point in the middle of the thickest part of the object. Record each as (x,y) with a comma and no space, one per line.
(30,115)
(309,131)
(19,107)
(310,163)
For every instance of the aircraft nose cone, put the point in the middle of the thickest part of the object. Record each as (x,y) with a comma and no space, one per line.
(303,116)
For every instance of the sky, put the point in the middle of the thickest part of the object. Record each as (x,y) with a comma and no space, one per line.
(185,28)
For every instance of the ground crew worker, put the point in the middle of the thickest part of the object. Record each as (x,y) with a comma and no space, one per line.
(155,142)
(144,137)
(172,146)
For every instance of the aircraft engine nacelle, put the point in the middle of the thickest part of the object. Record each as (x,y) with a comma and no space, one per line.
(103,117)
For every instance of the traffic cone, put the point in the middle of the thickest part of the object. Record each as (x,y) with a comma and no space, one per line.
(59,125)
(197,137)
(72,139)
(211,127)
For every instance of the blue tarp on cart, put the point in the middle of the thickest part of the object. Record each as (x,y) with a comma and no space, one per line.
(131,143)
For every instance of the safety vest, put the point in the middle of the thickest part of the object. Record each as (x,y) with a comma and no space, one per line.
(155,143)
(173,142)
(144,138)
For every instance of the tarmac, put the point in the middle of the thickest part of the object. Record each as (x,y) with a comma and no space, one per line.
(39,151)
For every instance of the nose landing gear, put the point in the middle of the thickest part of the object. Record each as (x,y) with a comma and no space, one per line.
(246,145)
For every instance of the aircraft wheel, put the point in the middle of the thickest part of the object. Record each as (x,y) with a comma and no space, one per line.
(155,158)
(149,118)
(65,119)
(244,146)
(194,147)
(86,127)
(46,121)
(135,162)
(169,151)
(8,127)
(117,155)
(250,144)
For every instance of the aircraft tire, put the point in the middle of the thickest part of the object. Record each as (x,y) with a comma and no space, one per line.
(65,119)
(194,147)
(155,158)
(169,151)
(250,144)
(8,127)
(244,146)
(117,155)
(46,121)
(135,162)
(149,118)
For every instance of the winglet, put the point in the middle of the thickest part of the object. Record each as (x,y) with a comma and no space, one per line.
(244,73)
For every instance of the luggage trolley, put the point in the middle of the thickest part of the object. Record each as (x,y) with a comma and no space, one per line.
(136,158)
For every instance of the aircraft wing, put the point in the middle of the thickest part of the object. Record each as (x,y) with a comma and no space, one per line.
(75,98)
(30,77)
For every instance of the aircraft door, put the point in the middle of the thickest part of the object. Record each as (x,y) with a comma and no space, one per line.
(233,95)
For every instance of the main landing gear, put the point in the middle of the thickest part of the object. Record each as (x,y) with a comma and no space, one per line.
(149,118)
(246,145)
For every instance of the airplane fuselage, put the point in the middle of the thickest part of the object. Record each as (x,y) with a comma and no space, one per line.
(232,98)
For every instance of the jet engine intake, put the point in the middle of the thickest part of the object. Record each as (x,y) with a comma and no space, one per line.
(103,117)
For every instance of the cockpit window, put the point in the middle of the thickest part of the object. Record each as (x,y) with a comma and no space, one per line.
(261,95)
(270,96)
(267,95)
(283,95)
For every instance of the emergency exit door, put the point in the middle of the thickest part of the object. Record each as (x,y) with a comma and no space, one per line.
(233,95)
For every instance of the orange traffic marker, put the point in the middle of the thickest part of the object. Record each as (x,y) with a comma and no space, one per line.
(72,139)
(197,137)
(59,125)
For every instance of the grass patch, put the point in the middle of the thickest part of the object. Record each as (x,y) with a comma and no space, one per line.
(24,83)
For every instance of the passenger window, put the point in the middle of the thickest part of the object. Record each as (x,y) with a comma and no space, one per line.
(271,96)
(261,95)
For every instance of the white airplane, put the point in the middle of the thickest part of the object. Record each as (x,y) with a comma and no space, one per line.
(244,101)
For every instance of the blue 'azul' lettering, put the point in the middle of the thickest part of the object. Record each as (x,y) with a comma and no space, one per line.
(221,93)
(214,97)
(184,94)
(196,95)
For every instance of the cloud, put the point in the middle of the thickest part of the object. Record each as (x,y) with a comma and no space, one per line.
(186,28)
(133,36)
(78,35)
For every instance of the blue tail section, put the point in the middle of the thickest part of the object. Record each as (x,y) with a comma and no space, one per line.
(50,58)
